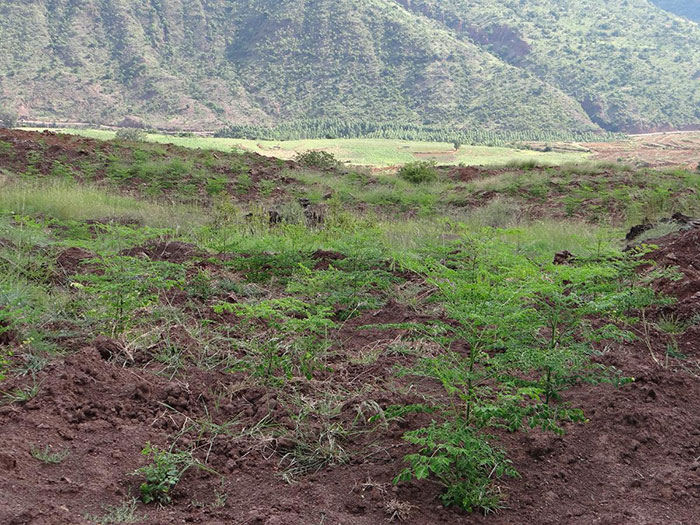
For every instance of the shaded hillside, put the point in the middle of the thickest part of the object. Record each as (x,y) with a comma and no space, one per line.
(196,63)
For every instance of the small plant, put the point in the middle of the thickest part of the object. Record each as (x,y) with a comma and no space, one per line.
(163,473)
(462,460)
(244,183)
(22,395)
(317,159)
(316,443)
(216,185)
(5,147)
(126,285)
(418,172)
(46,455)
(124,513)
(398,510)
(4,364)
(133,134)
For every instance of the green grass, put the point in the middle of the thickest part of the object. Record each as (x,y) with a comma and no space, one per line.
(48,456)
(370,152)
(70,201)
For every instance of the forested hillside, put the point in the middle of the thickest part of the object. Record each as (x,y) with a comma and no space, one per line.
(632,66)
(526,66)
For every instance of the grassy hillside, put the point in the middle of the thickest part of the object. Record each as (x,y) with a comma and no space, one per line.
(533,65)
(200,336)
(631,65)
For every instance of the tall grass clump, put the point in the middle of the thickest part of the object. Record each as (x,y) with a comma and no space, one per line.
(69,201)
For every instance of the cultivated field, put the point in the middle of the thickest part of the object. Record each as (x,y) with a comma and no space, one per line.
(368,152)
(213,337)
(660,150)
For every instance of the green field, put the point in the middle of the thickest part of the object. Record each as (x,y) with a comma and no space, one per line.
(372,152)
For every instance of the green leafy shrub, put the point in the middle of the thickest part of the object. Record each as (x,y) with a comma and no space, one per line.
(462,461)
(418,172)
(300,342)
(347,292)
(163,473)
(216,185)
(133,134)
(317,159)
(517,355)
(125,285)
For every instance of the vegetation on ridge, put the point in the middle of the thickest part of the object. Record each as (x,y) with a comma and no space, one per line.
(535,66)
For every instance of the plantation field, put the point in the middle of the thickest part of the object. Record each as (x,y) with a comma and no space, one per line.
(369,152)
(193,335)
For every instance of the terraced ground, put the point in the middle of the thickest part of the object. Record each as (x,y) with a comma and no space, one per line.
(215,337)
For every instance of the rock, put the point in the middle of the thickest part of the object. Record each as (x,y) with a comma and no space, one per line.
(7,463)
(562,258)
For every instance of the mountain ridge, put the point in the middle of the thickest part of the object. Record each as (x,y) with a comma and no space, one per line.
(176,64)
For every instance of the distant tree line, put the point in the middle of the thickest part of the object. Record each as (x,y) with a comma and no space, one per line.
(352,129)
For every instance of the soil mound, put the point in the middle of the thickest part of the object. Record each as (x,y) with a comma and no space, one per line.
(170,251)
(680,250)
(324,259)
(73,262)
(467,173)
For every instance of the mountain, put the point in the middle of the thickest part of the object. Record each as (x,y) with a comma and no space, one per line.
(632,66)
(517,65)
(686,8)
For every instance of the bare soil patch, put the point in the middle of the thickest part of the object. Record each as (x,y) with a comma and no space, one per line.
(658,150)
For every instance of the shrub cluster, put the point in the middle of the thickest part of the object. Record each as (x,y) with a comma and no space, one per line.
(317,159)
(134,134)
(418,172)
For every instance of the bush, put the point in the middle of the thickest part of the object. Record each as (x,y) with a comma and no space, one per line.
(163,473)
(418,172)
(8,118)
(462,461)
(131,134)
(317,159)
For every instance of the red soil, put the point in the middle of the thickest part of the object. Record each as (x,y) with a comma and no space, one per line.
(637,461)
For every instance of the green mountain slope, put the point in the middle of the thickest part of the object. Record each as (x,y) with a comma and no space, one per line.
(632,66)
(203,63)
(519,65)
